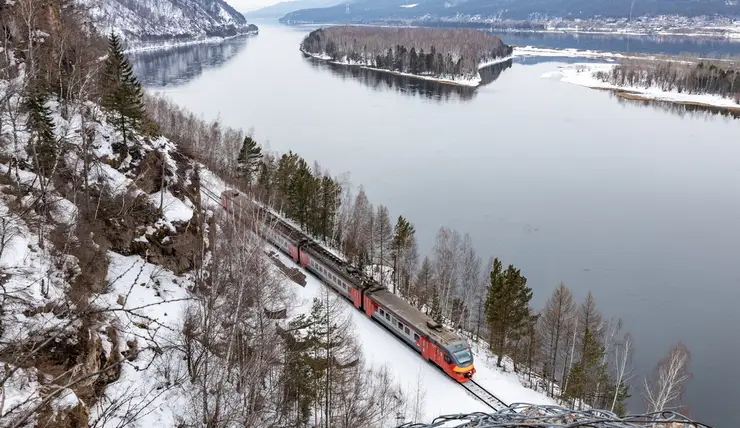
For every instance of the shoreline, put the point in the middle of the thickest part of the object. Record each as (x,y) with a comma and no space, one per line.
(471,82)
(583,75)
(171,44)
(726,35)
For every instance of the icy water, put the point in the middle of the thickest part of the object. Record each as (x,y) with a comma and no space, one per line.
(639,203)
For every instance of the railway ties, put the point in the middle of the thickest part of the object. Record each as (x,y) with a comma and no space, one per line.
(483,395)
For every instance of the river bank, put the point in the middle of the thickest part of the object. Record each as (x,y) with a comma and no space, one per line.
(466,81)
(175,43)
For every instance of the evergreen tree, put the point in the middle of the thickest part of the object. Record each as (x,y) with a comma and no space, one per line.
(330,191)
(413,61)
(265,179)
(123,96)
(436,309)
(588,373)
(507,305)
(42,148)
(403,235)
(249,160)
(283,177)
(301,191)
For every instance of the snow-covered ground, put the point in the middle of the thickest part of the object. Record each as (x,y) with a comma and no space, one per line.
(583,74)
(170,44)
(441,395)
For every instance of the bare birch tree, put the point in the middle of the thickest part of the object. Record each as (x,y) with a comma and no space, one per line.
(446,266)
(623,372)
(665,388)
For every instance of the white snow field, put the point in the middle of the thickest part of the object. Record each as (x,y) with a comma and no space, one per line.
(441,394)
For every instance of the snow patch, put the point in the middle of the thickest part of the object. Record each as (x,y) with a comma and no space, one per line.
(66,399)
(173,208)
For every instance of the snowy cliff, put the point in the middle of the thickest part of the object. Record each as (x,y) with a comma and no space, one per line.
(155,21)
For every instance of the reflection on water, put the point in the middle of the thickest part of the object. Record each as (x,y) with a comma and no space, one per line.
(683,110)
(178,65)
(409,85)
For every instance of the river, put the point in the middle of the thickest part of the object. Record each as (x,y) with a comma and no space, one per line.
(637,202)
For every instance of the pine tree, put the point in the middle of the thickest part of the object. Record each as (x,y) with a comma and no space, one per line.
(123,96)
(403,235)
(329,205)
(249,160)
(43,148)
(588,372)
(265,179)
(507,305)
(436,309)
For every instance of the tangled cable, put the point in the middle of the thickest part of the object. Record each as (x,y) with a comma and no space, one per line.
(543,416)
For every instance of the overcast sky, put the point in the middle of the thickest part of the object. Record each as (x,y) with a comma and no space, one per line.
(247,5)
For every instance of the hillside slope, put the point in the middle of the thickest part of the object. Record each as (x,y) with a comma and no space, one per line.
(280,9)
(379,10)
(166,20)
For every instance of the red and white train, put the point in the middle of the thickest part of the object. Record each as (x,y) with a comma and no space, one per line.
(443,348)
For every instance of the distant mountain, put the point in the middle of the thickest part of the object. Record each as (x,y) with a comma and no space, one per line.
(280,9)
(140,21)
(388,10)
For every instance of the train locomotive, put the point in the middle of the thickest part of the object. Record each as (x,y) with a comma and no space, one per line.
(443,348)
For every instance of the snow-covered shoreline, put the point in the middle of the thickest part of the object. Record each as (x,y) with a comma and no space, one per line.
(583,74)
(471,81)
(171,44)
(730,35)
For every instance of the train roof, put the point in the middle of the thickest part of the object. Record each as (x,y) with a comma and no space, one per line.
(415,318)
(350,273)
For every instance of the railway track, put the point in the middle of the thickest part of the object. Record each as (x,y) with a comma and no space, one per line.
(483,395)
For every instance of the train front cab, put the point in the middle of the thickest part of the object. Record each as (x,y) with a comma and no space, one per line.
(457,361)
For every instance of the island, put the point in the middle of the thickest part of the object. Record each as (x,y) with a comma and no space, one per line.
(447,55)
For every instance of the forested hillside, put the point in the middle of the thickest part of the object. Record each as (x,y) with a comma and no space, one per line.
(720,78)
(127,297)
(167,20)
(370,11)
(418,51)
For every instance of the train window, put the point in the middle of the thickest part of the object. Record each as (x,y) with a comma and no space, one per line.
(382,312)
(416,337)
(387,316)
(406,329)
(447,359)
(400,326)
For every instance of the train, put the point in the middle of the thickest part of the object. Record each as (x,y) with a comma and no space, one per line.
(447,350)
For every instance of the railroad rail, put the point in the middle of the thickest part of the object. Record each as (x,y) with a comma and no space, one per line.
(483,395)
